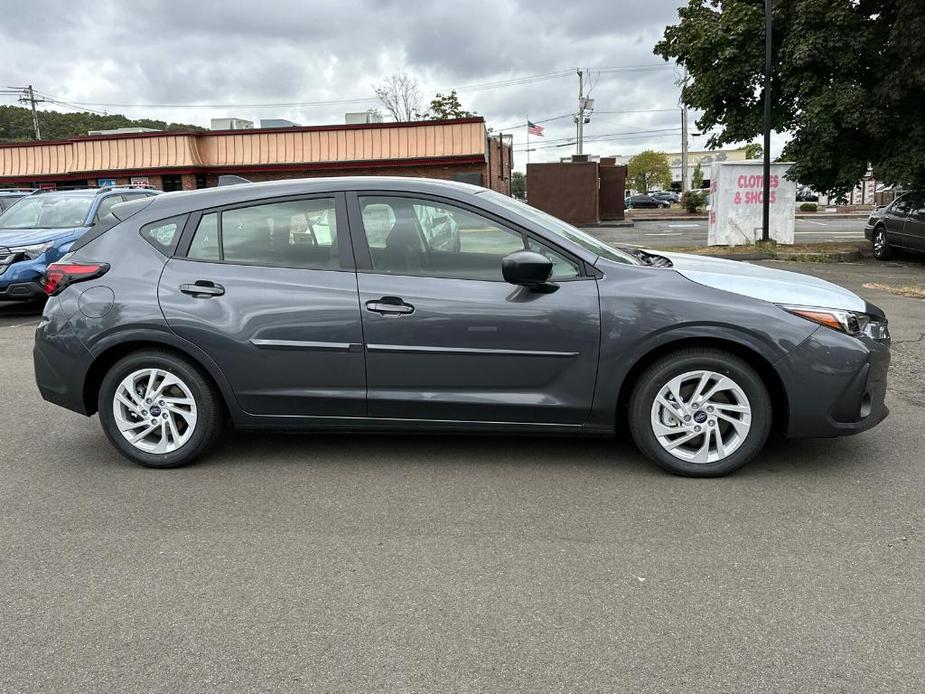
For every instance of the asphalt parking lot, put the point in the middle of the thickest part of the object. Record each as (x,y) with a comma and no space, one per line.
(654,233)
(426,564)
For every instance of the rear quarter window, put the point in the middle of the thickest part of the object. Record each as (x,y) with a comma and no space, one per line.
(163,235)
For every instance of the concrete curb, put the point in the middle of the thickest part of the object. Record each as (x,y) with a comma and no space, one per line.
(703,218)
(814,257)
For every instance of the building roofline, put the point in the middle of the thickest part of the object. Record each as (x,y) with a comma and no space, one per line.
(246,131)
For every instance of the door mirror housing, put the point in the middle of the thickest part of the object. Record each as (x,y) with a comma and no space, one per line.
(526,269)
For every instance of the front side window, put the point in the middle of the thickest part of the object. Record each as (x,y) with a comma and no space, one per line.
(297,234)
(47,212)
(560,228)
(905,204)
(408,236)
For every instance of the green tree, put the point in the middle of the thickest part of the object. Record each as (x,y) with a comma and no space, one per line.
(697,177)
(445,106)
(518,184)
(647,170)
(16,124)
(753,151)
(847,82)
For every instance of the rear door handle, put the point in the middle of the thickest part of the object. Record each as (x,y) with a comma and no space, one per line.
(389,306)
(202,289)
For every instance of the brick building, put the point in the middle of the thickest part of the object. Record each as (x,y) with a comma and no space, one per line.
(459,150)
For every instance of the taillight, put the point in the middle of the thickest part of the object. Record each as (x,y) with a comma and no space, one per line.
(60,275)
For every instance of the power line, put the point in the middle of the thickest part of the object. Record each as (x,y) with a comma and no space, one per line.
(497,84)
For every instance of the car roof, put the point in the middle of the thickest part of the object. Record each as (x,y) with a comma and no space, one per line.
(188,201)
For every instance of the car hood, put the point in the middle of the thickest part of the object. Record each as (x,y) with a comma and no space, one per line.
(767,284)
(29,237)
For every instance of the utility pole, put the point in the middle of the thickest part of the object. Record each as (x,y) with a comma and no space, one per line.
(581,111)
(684,185)
(766,198)
(29,95)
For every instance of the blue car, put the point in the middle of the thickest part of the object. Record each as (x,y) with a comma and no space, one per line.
(40,228)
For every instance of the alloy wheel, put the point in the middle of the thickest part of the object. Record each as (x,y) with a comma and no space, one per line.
(879,243)
(701,416)
(154,410)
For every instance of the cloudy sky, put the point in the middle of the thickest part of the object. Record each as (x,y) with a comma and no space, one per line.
(508,59)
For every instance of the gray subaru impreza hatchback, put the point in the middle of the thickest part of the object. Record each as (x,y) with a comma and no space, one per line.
(397,304)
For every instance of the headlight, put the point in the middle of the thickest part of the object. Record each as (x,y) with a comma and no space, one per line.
(33,252)
(849,322)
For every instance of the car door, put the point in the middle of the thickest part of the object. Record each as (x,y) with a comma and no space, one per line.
(268,290)
(914,227)
(894,219)
(447,338)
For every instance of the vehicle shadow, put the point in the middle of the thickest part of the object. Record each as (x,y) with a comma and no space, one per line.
(14,312)
(285,450)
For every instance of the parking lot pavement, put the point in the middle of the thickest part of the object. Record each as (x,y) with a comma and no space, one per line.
(427,564)
(663,234)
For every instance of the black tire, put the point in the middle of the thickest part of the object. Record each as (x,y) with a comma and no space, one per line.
(881,246)
(681,362)
(210,412)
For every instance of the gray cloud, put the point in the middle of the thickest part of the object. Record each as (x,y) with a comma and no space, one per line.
(235,52)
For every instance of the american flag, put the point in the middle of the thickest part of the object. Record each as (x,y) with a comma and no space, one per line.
(534,129)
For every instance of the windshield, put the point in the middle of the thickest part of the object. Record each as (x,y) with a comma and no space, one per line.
(47,212)
(560,228)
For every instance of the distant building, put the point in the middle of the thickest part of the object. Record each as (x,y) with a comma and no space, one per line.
(123,131)
(360,117)
(277,123)
(455,150)
(231,124)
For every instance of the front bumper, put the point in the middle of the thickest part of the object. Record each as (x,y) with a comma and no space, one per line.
(869,232)
(836,384)
(22,291)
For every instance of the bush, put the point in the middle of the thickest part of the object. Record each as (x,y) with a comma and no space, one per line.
(808,207)
(693,200)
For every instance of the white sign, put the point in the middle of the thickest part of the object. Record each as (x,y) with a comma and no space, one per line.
(140,180)
(736,202)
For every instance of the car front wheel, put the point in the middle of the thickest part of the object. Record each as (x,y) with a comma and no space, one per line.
(700,413)
(159,410)
(882,248)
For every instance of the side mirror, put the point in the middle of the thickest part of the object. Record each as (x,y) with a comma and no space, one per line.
(526,269)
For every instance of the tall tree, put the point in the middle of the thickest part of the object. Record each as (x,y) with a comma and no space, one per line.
(400,96)
(848,82)
(753,151)
(518,184)
(647,170)
(697,177)
(445,106)
(16,124)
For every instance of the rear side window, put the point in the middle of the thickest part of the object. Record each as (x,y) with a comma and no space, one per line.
(295,234)
(163,235)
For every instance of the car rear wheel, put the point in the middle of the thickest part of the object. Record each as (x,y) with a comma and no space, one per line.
(158,410)
(882,249)
(700,413)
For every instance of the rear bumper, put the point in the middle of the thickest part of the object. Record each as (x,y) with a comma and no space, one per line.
(836,384)
(61,361)
(21,291)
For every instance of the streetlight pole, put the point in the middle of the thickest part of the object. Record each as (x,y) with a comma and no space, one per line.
(766,197)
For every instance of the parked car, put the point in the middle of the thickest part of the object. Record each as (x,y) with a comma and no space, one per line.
(806,194)
(40,228)
(901,224)
(668,196)
(642,201)
(419,305)
(10,195)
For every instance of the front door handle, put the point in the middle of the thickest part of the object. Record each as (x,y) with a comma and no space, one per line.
(389,306)
(202,289)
